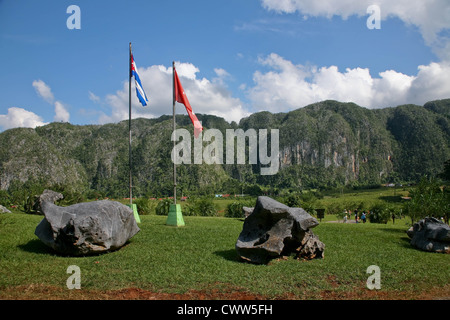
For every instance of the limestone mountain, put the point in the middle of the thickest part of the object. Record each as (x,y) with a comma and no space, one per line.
(326,144)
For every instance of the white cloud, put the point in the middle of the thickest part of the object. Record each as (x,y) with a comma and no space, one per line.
(205,96)
(93,97)
(432,82)
(43,90)
(221,73)
(287,86)
(18,117)
(392,89)
(187,70)
(61,113)
(431,17)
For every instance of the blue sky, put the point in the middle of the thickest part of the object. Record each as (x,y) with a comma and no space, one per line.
(234,57)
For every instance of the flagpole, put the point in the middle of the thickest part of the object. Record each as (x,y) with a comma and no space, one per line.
(175,216)
(129,129)
(174,128)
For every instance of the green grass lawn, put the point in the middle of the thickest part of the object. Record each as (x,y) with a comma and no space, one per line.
(201,256)
(367,198)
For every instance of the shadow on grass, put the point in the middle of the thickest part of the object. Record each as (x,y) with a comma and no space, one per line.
(36,246)
(229,255)
(392,199)
(394,231)
(405,241)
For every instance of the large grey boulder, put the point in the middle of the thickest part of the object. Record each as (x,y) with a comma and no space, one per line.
(430,234)
(274,229)
(86,228)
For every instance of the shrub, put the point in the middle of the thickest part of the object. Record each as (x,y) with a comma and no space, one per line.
(380,213)
(163,207)
(428,200)
(146,206)
(337,209)
(203,206)
(23,195)
(293,200)
(305,200)
(234,209)
(5,198)
(71,195)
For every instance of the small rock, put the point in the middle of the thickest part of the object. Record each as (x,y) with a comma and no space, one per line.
(311,247)
(4,210)
(430,234)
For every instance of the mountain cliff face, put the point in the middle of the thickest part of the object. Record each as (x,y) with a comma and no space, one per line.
(326,144)
(347,141)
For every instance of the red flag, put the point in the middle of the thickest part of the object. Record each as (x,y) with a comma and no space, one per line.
(180,96)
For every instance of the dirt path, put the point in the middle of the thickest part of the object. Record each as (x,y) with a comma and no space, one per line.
(41,292)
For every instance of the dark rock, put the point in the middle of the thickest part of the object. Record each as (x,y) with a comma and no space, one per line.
(46,196)
(274,229)
(410,232)
(86,228)
(430,234)
(311,247)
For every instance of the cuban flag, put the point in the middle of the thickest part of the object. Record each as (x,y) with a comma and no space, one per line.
(139,90)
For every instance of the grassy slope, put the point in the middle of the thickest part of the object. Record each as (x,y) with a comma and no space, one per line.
(201,256)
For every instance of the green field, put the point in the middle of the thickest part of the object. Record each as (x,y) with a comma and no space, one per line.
(201,258)
(348,199)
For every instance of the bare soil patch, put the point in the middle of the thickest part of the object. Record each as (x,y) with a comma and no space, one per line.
(43,292)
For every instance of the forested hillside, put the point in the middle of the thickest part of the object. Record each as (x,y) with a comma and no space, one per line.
(327,144)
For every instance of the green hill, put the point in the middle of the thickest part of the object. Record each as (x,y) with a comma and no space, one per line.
(327,144)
